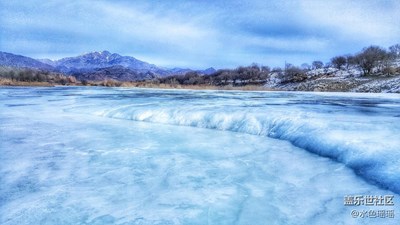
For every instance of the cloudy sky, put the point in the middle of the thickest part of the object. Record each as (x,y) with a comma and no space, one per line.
(199,34)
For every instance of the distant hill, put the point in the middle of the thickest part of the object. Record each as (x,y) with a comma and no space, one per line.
(19,61)
(208,71)
(181,71)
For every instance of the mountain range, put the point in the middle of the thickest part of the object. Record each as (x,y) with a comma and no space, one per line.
(97,66)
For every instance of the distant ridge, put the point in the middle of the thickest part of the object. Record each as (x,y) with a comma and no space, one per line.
(19,61)
(97,65)
(103,59)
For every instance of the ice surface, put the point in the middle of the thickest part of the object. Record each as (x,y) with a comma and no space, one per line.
(359,130)
(116,156)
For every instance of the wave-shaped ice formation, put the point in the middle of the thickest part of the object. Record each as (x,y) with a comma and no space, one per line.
(369,147)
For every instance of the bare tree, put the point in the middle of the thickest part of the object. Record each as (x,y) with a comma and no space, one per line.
(293,74)
(395,51)
(305,66)
(338,61)
(265,69)
(370,58)
(350,61)
(317,64)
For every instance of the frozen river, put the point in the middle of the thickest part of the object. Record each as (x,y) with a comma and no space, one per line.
(82,155)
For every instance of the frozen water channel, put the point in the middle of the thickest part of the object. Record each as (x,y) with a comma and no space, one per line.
(79,155)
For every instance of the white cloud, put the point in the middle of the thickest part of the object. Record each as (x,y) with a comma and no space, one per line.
(196,34)
(366,21)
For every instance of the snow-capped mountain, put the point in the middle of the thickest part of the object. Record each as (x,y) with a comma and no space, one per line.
(104,59)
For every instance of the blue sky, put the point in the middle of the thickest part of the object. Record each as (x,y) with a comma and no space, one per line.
(199,34)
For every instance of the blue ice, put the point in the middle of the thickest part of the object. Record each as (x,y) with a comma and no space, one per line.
(79,155)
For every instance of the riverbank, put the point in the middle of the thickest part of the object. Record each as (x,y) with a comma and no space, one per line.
(112,83)
(322,84)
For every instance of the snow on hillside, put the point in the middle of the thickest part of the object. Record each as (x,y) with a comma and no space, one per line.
(390,85)
(344,80)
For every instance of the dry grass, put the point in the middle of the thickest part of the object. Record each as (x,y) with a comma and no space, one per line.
(8,82)
(112,83)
